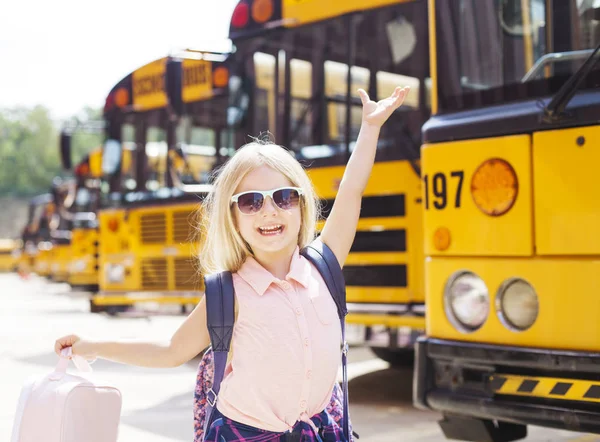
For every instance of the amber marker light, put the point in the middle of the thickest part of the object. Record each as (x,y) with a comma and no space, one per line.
(113,224)
(494,187)
(121,97)
(441,239)
(220,77)
(262,10)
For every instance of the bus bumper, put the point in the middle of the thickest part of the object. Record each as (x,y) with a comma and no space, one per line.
(473,385)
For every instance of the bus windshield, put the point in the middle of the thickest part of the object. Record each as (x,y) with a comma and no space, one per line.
(500,51)
(299,81)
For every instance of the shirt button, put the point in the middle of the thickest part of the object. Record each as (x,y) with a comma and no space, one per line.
(308,374)
(298,311)
(303,404)
(285,285)
(306,342)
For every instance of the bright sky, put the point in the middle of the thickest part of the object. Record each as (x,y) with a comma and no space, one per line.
(67,54)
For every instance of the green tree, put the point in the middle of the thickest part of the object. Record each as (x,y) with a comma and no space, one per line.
(28,150)
(85,140)
(29,154)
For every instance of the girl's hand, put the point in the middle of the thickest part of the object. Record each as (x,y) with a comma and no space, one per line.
(80,347)
(375,114)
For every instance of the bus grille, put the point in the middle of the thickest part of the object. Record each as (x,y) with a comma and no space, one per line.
(155,274)
(153,228)
(184,227)
(187,276)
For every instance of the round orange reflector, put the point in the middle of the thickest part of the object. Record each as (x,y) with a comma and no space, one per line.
(121,97)
(113,224)
(262,10)
(220,77)
(441,239)
(494,187)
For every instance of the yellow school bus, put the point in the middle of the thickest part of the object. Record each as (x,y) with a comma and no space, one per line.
(34,255)
(296,70)
(58,244)
(170,115)
(9,254)
(83,266)
(511,207)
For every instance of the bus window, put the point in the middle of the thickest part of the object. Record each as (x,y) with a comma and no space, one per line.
(128,168)
(401,60)
(505,52)
(156,151)
(300,114)
(227,147)
(387,82)
(195,154)
(201,153)
(264,94)
(336,86)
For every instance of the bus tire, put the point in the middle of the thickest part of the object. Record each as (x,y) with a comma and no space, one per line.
(397,357)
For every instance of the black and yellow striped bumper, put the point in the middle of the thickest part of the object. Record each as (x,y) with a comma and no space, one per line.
(559,389)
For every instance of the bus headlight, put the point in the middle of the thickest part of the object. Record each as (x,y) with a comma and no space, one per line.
(115,273)
(78,266)
(466,301)
(517,304)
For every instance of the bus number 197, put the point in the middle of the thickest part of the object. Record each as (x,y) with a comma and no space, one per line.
(439,189)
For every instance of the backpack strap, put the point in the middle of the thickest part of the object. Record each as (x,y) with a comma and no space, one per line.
(220,317)
(322,257)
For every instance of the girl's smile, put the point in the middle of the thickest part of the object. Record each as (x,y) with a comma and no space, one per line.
(275,229)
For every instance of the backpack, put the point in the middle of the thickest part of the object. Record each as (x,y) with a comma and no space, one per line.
(220,312)
(60,407)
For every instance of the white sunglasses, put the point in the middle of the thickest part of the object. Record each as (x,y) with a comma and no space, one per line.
(250,202)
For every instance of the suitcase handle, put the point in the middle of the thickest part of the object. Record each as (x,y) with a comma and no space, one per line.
(80,363)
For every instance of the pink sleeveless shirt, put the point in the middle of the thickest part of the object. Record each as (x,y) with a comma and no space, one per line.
(286,347)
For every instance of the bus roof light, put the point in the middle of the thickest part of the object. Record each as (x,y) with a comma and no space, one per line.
(240,16)
(262,10)
(121,97)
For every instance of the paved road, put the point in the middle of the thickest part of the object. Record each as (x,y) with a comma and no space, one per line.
(157,403)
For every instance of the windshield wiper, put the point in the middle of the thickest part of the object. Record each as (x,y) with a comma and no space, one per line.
(555,110)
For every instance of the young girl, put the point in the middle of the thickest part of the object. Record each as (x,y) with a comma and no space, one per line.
(286,341)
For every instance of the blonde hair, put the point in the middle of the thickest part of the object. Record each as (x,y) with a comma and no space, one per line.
(222,247)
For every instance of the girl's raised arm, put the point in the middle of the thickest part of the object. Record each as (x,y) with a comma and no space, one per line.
(340,226)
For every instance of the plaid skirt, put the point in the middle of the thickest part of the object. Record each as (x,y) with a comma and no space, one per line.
(224,429)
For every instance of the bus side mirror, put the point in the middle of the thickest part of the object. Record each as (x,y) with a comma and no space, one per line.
(65,150)
(111,157)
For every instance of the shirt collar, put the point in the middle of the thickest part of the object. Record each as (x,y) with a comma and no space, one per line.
(260,278)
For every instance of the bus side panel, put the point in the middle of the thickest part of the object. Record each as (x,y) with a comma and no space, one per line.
(448,170)
(385,264)
(561,323)
(567,200)
(117,238)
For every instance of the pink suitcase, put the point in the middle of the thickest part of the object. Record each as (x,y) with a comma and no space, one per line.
(61,407)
